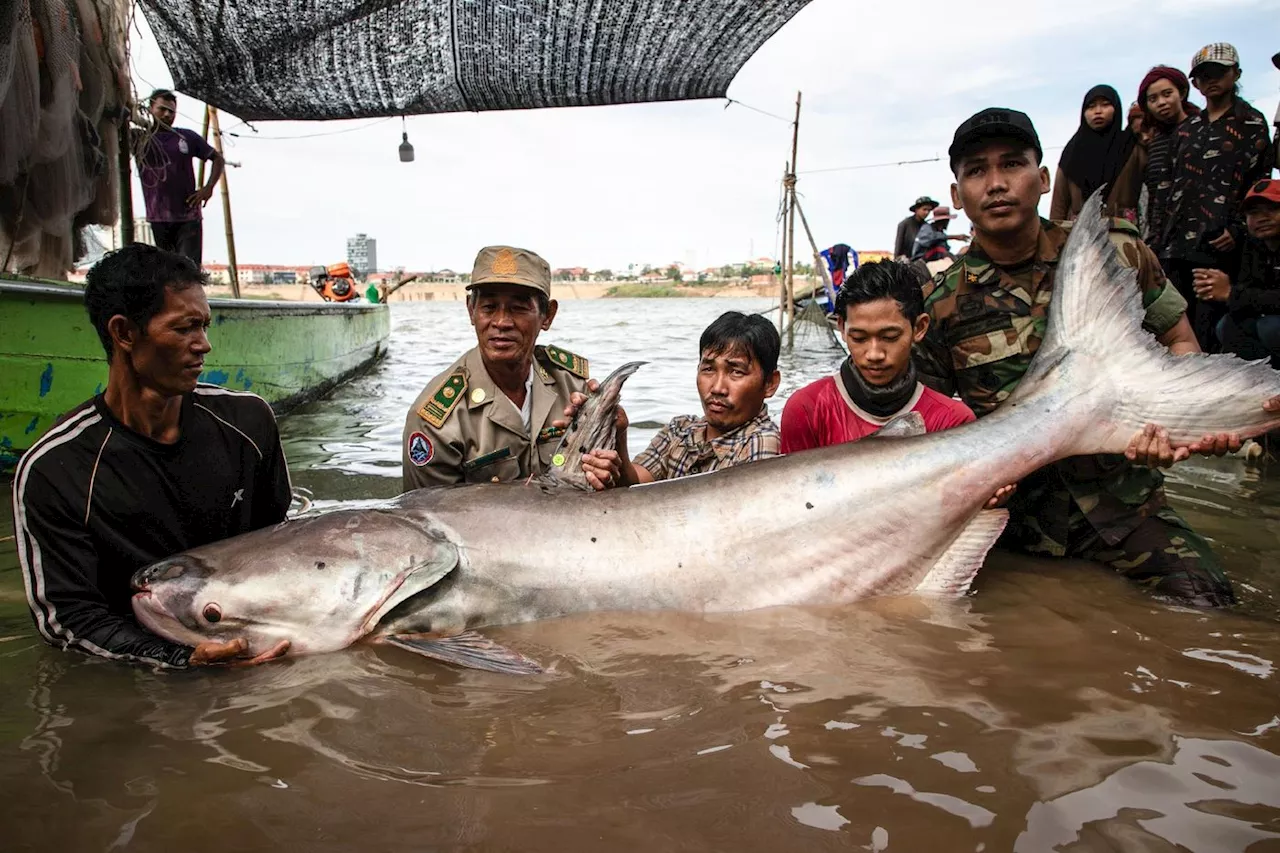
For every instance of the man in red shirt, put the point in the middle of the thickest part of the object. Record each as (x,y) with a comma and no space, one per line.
(881,314)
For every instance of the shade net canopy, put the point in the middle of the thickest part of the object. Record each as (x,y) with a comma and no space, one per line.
(335,59)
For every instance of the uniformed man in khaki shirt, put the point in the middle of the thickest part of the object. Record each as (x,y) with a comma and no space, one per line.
(496,414)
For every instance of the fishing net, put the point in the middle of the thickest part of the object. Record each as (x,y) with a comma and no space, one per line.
(299,59)
(63,88)
(812,331)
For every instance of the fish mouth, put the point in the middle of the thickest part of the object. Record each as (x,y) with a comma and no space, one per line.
(155,618)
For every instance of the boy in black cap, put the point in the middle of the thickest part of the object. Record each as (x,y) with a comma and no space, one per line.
(988,314)
(910,227)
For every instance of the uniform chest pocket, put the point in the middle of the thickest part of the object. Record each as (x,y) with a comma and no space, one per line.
(983,340)
(502,464)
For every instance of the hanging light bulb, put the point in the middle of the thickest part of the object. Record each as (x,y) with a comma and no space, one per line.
(406,150)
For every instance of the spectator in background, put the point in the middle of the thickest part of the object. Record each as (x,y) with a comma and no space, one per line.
(910,227)
(931,242)
(1275,140)
(1163,99)
(1102,153)
(1251,328)
(1220,154)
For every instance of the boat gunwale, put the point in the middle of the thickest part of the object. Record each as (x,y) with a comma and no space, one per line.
(219,303)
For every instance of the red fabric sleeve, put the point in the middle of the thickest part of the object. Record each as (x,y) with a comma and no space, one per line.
(797,424)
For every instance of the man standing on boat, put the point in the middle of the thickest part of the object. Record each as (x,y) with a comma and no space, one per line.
(910,227)
(154,465)
(988,313)
(168,180)
(497,413)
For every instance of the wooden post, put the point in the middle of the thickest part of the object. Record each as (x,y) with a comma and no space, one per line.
(818,263)
(782,261)
(125,190)
(791,230)
(204,134)
(226,208)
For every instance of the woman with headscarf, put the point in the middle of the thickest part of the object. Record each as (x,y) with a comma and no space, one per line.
(1163,98)
(1102,152)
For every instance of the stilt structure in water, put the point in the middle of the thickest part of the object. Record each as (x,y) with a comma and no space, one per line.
(811,322)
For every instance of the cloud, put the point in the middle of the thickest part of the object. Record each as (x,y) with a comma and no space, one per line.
(694,181)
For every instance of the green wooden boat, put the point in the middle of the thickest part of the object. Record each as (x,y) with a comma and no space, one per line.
(287,352)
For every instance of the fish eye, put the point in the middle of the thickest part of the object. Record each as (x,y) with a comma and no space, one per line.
(212,613)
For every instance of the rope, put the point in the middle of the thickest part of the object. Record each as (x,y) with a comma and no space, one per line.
(728,102)
(256,135)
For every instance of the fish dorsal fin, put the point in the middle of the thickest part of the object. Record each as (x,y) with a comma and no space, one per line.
(592,429)
(902,426)
(954,570)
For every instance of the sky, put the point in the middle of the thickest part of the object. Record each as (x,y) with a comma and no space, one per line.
(698,182)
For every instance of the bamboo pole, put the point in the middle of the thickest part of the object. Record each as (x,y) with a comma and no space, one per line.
(791,230)
(125,190)
(204,134)
(782,261)
(226,208)
(818,263)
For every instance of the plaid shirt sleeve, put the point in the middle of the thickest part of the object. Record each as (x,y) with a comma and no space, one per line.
(656,458)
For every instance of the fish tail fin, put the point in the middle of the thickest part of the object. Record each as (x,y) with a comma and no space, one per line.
(1117,375)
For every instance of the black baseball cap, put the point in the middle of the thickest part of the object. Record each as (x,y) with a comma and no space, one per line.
(994,123)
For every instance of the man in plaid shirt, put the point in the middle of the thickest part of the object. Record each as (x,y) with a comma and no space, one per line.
(737,372)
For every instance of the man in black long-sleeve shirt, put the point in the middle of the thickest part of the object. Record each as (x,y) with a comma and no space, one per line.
(154,465)
(1251,328)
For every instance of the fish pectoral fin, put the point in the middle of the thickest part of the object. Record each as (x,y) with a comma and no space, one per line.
(468,649)
(954,570)
(902,426)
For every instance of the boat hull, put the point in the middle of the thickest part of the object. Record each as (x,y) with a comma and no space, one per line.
(286,352)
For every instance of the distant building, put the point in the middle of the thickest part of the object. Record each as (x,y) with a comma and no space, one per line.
(141,234)
(362,254)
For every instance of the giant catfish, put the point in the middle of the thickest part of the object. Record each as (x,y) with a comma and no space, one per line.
(892,517)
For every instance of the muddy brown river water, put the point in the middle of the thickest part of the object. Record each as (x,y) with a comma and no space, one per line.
(1055,708)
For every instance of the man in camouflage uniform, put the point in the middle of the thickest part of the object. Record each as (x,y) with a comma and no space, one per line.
(497,413)
(989,312)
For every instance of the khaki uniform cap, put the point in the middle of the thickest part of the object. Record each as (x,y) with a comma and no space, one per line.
(509,265)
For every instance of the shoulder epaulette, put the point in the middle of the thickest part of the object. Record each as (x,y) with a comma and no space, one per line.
(575,364)
(438,406)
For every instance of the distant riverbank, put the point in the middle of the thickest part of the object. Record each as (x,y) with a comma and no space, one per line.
(563,291)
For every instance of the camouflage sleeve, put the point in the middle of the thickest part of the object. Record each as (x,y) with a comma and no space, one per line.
(1163,304)
(932,356)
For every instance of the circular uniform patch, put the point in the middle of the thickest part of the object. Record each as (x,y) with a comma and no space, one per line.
(420,449)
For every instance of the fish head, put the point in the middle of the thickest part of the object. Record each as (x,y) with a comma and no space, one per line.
(321,583)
